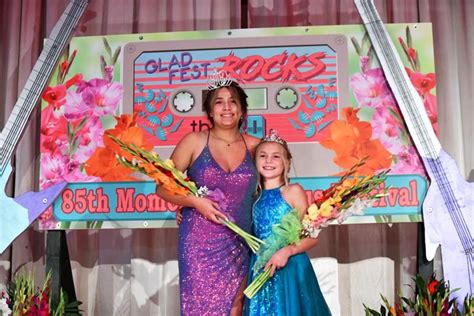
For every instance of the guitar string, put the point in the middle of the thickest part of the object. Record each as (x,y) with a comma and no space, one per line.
(439,170)
(459,223)
(403,95)
(435,164)
(415,116)
(409,100)
(23,113)
(21,119)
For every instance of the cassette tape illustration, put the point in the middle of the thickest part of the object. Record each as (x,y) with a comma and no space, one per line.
(295,84)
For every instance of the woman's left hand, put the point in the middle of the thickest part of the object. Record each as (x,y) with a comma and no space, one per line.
(179,215)
(278,260)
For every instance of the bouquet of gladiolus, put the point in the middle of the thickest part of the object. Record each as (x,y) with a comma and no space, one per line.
(173,180)
(23,298)
(431,297)
(351,195)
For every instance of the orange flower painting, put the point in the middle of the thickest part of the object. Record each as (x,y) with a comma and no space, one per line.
(351,141)
(103,163)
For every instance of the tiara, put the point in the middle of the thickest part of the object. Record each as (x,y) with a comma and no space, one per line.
(219,79)
(272,136)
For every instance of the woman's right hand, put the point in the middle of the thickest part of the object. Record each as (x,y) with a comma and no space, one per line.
(209,209)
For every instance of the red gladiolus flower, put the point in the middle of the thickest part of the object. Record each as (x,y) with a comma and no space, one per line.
(63,66)
(432,286)
(75,79)
(55,95)
(422,83)
(412,53)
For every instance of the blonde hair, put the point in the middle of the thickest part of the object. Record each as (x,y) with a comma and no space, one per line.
(287,157)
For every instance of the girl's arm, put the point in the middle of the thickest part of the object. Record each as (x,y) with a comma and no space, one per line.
(296,197)
(182,157)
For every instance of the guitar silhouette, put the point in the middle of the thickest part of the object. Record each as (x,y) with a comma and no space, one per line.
(448,209)
(18,213)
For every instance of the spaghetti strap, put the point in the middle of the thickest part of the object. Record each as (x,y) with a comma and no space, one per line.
(245,143)
(208,133)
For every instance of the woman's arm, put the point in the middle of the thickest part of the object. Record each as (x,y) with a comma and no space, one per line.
(296,197)
(182,157)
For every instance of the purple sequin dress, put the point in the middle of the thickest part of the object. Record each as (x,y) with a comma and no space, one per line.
(213,261)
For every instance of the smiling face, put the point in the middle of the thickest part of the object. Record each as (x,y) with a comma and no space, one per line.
(272,162)
(235,91)
(226,109)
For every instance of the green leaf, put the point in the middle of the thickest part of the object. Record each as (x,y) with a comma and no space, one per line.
(365,41)
(103,64)
(74,144)
(409,40)
(370,312)
(372,56)
(405,49)
(80,125)
(356,45)
(107,47)
(116,55)
(417,63)
(70,131)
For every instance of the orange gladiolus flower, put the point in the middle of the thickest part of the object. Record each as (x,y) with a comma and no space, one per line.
(124,122)
(126,131)
(351,141)
(104,165)
(392,311)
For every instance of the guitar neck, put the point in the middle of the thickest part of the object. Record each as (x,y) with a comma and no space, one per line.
(38,79)
(410,103)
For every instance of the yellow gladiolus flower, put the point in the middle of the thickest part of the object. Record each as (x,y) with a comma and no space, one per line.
(313,211)
(326,209)
(349,183)
(332,200)
(169,163)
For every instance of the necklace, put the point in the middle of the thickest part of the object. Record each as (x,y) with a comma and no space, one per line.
(226,141)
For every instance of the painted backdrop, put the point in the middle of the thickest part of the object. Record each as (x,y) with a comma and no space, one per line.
(320,87)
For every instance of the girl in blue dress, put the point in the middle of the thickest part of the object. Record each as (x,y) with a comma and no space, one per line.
(294,288)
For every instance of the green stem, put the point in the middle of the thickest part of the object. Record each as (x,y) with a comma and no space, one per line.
(252,241)
(257,283)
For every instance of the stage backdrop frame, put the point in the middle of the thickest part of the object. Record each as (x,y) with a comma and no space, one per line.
(299,80)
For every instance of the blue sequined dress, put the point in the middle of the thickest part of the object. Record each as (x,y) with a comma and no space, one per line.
(294,289)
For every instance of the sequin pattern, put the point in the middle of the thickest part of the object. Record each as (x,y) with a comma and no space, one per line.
(294,289)
(213,261)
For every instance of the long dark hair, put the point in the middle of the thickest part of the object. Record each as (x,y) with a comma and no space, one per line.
(237,93)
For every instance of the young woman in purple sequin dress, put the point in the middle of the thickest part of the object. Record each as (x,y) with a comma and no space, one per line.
(213,261)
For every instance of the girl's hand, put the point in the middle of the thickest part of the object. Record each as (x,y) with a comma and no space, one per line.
(209,209)
(278,260)
(179,216)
